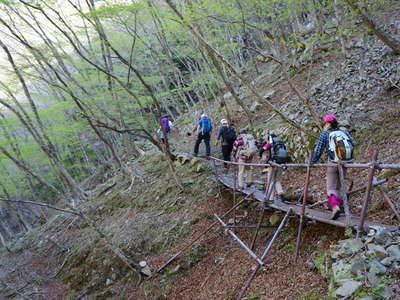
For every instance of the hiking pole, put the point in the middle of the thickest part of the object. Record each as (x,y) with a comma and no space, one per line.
(200,235)
(303,208)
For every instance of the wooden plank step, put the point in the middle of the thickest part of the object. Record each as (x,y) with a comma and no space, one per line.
(311,213)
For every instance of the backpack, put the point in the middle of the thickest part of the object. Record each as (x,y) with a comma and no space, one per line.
(165,124)
(228,134)
(249,148)
(340,147)
(279,152)
(206,125)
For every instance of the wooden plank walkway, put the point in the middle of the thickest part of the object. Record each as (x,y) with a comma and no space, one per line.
(314,214)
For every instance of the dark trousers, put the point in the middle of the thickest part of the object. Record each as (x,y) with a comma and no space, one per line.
(206,137)
(226,153)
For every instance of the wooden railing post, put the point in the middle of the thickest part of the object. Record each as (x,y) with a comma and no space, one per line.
(367,194)
(303,209)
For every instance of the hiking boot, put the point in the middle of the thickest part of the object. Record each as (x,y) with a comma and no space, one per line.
(335,212)
(194,154)
(264,171)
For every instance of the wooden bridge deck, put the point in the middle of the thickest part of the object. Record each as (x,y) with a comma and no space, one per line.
(314,214)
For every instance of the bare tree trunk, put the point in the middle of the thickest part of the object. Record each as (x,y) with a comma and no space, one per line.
(388,41)
(133,265)
(3,239)
(339,19)
(236,73)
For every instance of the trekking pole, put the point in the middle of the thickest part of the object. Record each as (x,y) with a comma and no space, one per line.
(303,209)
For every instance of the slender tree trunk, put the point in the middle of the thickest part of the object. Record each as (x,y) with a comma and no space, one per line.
(388,41)
(236,73)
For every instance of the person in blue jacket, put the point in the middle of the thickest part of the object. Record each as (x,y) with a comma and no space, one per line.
(203,131)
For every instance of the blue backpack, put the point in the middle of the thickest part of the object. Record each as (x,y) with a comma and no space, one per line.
(205,124)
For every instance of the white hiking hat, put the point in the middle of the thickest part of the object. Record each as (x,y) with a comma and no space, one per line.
(224,121)
(203,115)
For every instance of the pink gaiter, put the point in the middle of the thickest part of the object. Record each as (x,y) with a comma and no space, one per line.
(333,201)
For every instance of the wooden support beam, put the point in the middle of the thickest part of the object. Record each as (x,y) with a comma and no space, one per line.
(390,203)
(241,243)
(263,256)
(303,209)
(367,194)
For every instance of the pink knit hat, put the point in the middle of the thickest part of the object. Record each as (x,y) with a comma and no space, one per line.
(329,118)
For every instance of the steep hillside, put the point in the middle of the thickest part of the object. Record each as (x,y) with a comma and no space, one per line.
(149,218)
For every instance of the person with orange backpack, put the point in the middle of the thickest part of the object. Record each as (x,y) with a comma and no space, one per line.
(339,145)
(244,149)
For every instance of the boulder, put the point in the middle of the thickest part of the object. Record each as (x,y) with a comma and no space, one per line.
(377,250)
(388,261)
(348,248)
(256,106)
(375,267)
(357,265)
(269,94)
(348,288)
(199,168)
(194,161)
(227,95)
(381,236)
(109,282)
(183,158)
(387,293)
(394,251)
(373,280)
(341,270)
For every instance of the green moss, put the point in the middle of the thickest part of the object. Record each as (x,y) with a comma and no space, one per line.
(315,294)
(255,295)
(290,247)
(320,260)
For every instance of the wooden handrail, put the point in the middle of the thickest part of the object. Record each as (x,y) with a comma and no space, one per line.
(319,165)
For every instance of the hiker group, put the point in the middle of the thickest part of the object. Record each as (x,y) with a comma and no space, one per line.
(244,149)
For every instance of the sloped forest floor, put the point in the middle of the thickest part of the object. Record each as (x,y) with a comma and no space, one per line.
(149,218)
